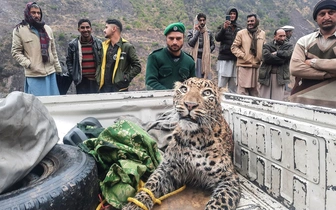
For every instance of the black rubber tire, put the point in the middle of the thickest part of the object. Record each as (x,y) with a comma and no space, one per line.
(66,179)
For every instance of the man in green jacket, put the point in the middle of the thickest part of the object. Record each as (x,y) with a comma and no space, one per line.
(120,63)
(274,70)
(167,65)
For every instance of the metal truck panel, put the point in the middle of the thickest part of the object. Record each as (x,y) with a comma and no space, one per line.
(284,151)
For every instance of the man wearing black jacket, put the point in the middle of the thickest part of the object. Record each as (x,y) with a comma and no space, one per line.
(84,59)
(274,70)
(226,64)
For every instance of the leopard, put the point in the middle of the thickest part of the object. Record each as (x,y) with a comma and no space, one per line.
(200,151)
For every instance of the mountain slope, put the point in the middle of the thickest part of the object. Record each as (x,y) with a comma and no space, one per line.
(144,22)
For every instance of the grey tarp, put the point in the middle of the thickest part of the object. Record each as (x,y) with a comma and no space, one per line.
(27,134)
(161,129)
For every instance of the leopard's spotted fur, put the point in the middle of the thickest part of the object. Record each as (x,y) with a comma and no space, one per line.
(199,152)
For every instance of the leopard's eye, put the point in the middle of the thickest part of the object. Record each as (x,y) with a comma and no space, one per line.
(207,93)
(183,89)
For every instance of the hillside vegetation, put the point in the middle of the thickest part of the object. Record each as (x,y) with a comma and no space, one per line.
(144,22)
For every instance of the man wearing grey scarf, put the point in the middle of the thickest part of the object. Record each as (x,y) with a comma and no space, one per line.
(247,47)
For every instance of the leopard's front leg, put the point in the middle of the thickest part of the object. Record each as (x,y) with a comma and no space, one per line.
(226,195)
(161,182)
(141,197)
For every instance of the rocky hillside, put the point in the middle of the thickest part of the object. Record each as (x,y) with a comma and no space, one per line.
(144,22)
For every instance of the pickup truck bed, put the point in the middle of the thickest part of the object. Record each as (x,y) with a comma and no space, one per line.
(284,152)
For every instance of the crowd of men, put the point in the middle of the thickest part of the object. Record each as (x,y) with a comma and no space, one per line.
(246,64)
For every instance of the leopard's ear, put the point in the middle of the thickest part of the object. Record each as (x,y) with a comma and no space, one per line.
(177,85)
(222,90)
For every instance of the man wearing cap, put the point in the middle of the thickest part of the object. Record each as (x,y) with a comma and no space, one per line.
(202,42)
(120,63)
(247,47)
(289,31)
(314,59)
(167,65)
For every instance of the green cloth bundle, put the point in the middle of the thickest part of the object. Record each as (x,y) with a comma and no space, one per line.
(124,153)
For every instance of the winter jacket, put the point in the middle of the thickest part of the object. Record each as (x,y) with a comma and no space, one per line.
(278,61)
(74,58)
(26,50)
(162,72)
(126,67)
(226,37)
(241,48)
(194,35)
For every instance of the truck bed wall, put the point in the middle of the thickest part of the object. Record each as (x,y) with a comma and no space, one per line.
(288,150)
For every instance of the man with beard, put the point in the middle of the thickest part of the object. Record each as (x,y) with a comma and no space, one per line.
(274,70)
(314,59)
(289,31)
(33,47)
(247,47)
(167,65)
(120,63)
(202,43)
(226,63)
(84,58)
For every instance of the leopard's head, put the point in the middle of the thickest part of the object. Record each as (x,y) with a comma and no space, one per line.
(198,103)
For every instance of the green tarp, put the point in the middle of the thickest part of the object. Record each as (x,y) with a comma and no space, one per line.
(124,153)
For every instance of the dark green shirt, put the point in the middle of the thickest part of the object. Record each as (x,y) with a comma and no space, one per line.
(163,70)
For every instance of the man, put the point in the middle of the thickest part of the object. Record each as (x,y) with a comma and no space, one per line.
(84,58)
(314,59)
(289,31)
(167,65)
(226,63)
(120,63)
(247,47)
(274,70)
(202,43)
(33,47)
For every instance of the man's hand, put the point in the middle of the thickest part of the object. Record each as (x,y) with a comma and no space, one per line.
(197,27)
(307,62)
(226,24)
(202,30)
(274,53)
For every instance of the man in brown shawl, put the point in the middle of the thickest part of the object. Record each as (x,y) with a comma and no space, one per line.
(247,47)
(202,42)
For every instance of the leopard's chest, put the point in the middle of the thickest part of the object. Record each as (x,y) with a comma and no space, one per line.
(205,162)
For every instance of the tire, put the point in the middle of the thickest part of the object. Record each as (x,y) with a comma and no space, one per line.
(65,179)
